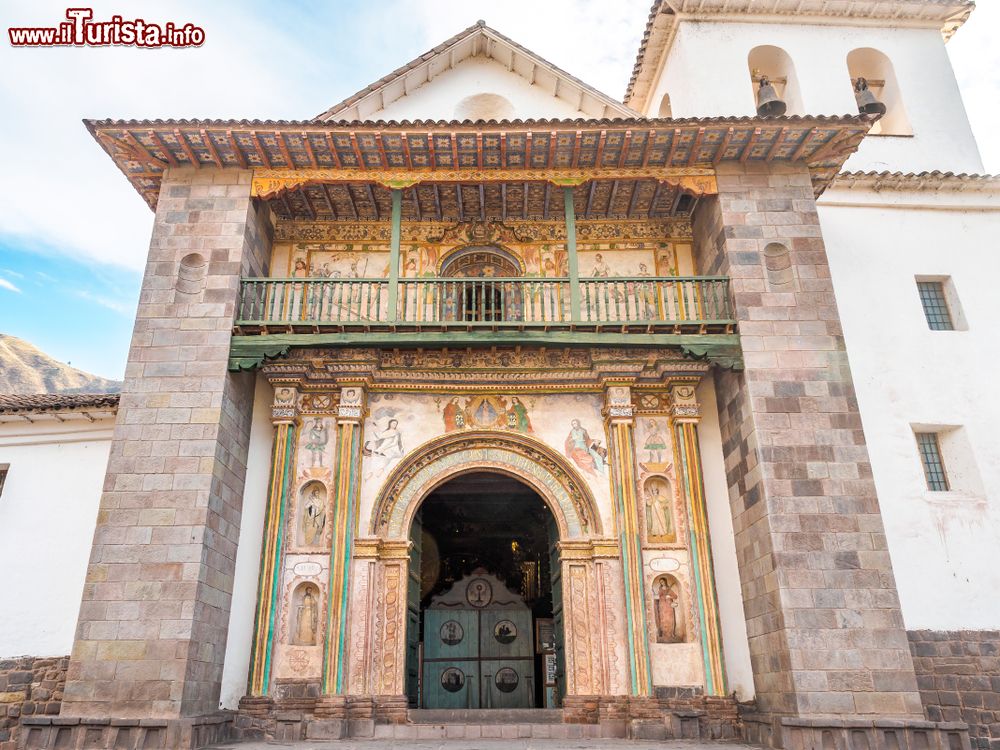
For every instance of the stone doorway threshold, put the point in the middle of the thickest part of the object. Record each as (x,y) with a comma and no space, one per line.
(486,744)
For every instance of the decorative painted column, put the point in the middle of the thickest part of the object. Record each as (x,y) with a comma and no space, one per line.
(284,415)
(620,418)
(346,488)
(572,260)
(394,239)
(684,416)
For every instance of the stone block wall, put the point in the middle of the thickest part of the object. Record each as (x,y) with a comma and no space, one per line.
(958,673)
(151,635)
(29,686)
(823,618)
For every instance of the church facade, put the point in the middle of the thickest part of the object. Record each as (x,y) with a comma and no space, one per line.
(483,390)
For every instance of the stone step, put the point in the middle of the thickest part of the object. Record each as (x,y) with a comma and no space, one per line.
(485,716)
(494,731)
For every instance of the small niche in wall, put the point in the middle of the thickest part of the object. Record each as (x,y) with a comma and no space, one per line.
(191,274)
(658,499)
(668,610)
(312,514)
(305,615)
(778,264)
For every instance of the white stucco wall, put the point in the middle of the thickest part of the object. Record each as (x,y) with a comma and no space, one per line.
(241,616)
(437,99)
(942,137)
(943,544)
(732,620)
(48,512)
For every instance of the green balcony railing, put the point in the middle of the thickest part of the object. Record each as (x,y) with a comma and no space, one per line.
(696,303)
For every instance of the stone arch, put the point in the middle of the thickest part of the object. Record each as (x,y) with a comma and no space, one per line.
(505,257)
(564,492)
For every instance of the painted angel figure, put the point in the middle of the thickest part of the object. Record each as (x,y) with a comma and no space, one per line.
(388,442)
(319,436)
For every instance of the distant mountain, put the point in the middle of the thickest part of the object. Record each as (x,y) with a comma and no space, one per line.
(25,369)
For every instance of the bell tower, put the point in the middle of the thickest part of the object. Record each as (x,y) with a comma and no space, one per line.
(705,58)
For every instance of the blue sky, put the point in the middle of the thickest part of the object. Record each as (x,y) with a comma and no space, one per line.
(74,234)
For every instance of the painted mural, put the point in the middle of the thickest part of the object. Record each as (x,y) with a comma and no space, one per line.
(658,486)
(605,249)
(571,424)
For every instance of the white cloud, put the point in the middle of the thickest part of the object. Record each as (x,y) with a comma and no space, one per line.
(117,306)
(62,192)
(4,284)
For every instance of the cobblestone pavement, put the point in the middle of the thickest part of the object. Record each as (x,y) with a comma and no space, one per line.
(485,744)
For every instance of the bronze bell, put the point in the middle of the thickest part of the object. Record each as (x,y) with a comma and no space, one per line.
(768,103)
(867,103)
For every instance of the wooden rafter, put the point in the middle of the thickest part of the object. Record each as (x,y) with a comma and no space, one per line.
(806,142)
(351,202)
(750,144)
(721,151)
(186,148)
(309,150)
(626,142)
(235,146)
(636,184)
(324,189)
(675,143)
(590,198)
(696,147)
(371,197)
(263,154)
(171,159)
(147,156)
(283,148)
(212,151)
(774,146)
(656,197)
(305,201)
(333,152)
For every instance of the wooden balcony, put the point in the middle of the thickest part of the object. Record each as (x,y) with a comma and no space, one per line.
(692,313)
(694,305)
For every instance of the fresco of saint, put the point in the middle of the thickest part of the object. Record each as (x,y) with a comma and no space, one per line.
(517,416)
(586,453)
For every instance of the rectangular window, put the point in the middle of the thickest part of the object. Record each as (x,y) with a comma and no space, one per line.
(932,297)
(930,457)
(3,475)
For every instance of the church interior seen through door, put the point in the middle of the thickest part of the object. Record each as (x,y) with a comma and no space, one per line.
(484,617)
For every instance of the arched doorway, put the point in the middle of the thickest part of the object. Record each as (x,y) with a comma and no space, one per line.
(484,605)
(589,563)
(484,289)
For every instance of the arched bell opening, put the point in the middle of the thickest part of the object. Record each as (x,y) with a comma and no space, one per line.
(484,604)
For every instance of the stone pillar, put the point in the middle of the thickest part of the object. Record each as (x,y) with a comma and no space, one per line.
(621,457)
(284,414)
(823,618)
(684,416)
(152,630)
(346,486)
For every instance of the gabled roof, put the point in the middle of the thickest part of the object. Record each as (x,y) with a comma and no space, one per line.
(477,40)
(947,15)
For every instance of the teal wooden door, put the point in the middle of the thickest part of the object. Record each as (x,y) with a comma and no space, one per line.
(555,694)
(506,647)
(413,616)
(451,659)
